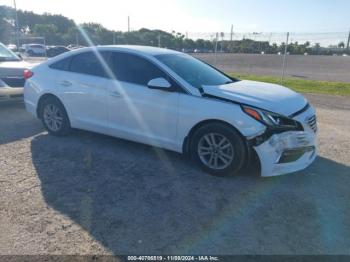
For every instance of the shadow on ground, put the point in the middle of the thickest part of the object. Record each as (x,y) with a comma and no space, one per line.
(134,200)
(16,123)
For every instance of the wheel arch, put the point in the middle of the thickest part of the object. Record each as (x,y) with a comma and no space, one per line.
(187,140)
(42,99)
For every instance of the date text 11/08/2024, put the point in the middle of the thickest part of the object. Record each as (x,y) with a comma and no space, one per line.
(173,258)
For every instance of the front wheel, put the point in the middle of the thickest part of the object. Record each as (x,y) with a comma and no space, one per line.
(54,117)
(218,149)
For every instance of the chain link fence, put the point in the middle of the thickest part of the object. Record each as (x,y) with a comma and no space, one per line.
(313,56)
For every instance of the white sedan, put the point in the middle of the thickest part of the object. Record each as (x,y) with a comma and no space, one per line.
(173,101)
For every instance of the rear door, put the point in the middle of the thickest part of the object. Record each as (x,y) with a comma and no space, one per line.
(83,87)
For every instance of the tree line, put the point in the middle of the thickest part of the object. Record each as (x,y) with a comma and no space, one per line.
(60,30)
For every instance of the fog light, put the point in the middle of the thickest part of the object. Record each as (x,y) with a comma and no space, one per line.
(292,155)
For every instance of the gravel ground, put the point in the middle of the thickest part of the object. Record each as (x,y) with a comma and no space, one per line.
(93,194)
(326,68)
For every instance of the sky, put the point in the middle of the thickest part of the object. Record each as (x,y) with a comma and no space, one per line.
(202,15)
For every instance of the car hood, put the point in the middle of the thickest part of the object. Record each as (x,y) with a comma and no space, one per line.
(266,96)
(13,68)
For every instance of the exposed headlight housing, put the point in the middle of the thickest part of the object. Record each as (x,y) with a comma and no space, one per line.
(272,120)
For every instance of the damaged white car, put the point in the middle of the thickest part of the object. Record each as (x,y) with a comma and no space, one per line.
(171,100)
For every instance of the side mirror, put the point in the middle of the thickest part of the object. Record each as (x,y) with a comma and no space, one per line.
(159,83)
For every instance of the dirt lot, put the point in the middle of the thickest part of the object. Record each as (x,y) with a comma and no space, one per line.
(326,68)
(92,194)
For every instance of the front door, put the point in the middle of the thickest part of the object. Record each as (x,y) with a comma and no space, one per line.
(137,112)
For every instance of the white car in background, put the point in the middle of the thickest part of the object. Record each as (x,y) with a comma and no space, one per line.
(35,50)
(12,47)
(171,100)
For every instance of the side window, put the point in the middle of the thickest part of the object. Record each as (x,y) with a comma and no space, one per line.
(62,64)
(88,63)
(133,69)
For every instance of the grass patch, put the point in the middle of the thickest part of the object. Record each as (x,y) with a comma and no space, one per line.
(301,85)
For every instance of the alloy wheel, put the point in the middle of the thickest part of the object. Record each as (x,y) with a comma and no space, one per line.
(53,117)
(215,151)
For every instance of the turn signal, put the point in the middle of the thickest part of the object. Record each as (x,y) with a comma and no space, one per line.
(253,113)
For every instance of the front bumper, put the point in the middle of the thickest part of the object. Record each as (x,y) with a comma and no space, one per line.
(290,151)
(11,93)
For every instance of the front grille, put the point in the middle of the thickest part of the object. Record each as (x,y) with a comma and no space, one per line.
(312,122)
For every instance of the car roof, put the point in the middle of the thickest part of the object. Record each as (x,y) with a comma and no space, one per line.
(148,50)
(134,49)
(34,44)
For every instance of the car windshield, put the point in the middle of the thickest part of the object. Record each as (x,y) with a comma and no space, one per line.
(7,55)
(194,71)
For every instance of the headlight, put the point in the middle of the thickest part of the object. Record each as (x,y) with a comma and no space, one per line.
(272,120)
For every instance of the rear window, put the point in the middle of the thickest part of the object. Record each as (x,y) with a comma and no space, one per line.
(87,63)
(62,64)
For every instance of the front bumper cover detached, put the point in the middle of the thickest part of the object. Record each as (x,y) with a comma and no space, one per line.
(287,152)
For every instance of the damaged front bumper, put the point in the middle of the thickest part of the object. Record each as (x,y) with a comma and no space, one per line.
(289,151)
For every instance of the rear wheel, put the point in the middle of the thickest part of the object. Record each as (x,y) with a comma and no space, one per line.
(54,117)
(218,149)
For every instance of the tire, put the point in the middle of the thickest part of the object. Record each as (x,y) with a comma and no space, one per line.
(54,117)
(228,148)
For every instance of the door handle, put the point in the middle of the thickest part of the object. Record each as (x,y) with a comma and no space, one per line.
(65,83)
(116,94)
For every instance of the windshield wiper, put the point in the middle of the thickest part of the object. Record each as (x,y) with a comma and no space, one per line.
(228,82)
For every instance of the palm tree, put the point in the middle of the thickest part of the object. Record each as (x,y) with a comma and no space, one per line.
(341,45)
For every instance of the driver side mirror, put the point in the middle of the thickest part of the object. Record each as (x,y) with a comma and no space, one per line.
(159,83)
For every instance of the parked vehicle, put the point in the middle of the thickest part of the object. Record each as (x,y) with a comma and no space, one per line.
(12,47)
(11,74)
(171,100)
(73,47)
(35,50)
(53,51)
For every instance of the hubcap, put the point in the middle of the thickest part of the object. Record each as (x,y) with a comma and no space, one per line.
(215,151)
(53,117)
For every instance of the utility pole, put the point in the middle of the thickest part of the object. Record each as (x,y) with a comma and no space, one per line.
(129,24)
(222,34)
(284,59)
(216,46)
(348,45)
(159,40)
(17,25)
(77,39)
(231,38)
